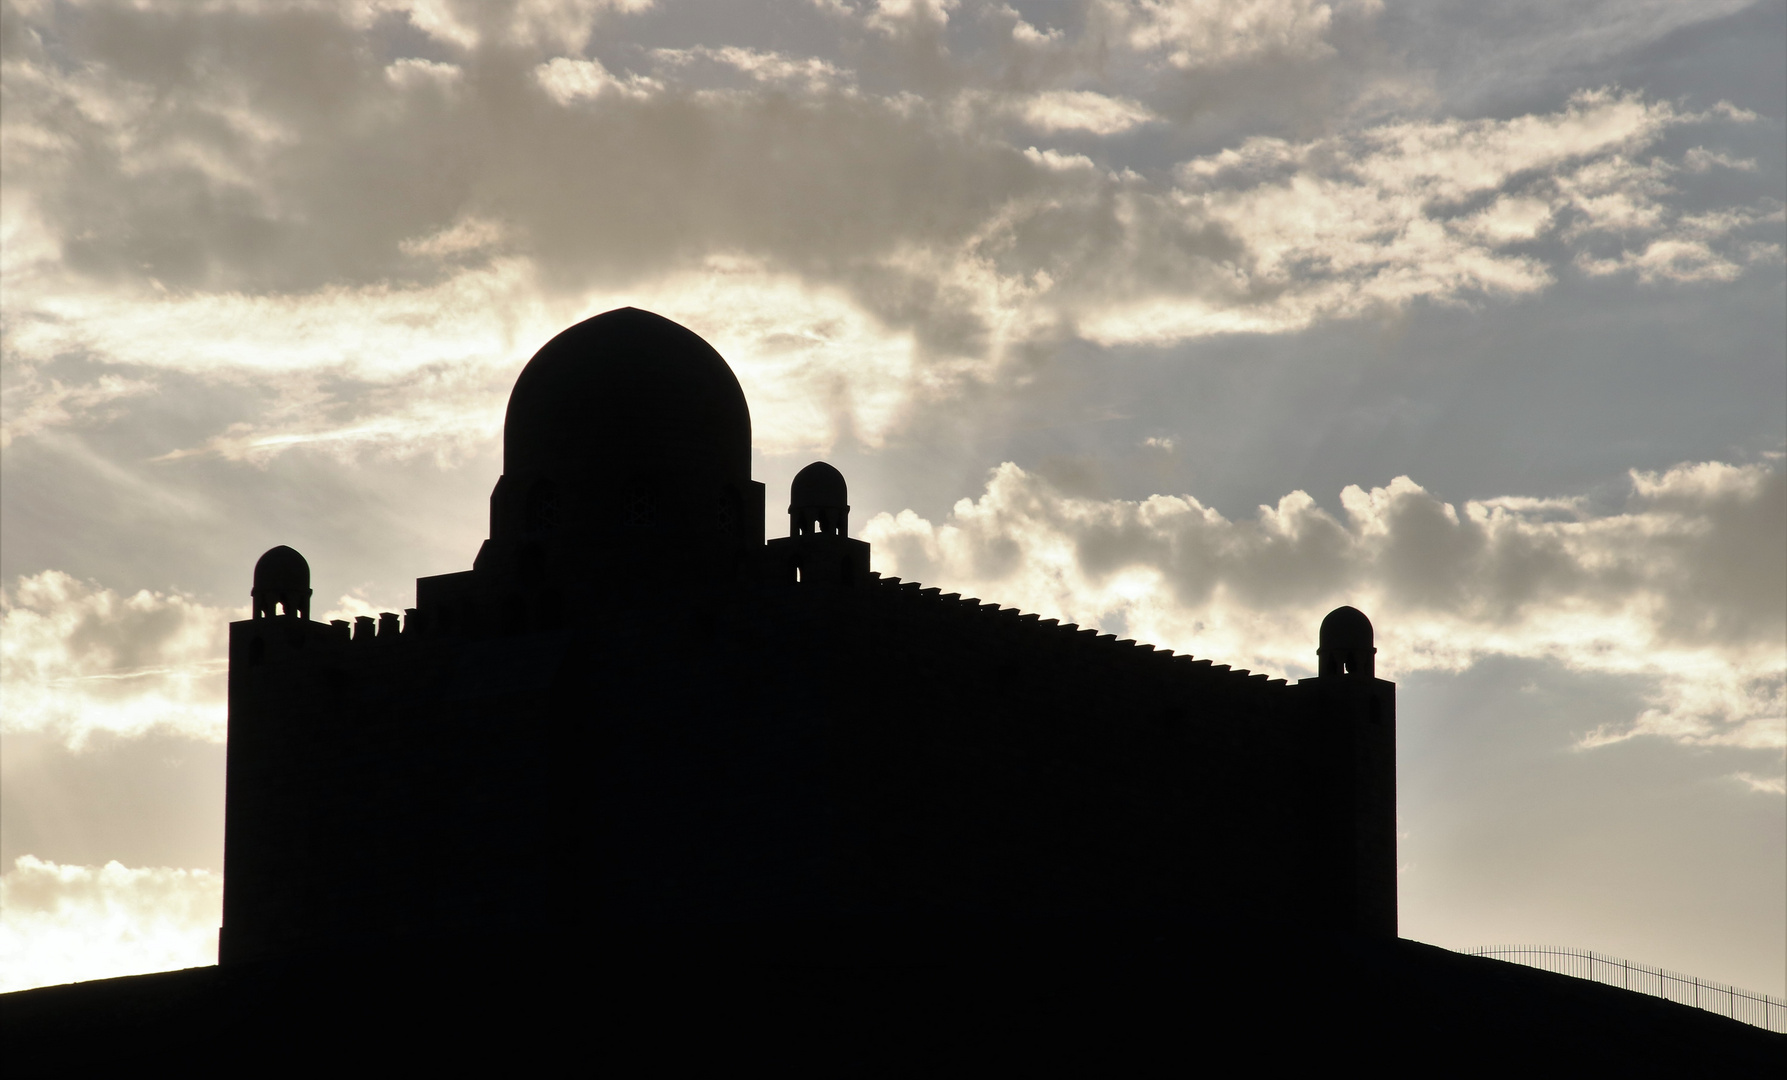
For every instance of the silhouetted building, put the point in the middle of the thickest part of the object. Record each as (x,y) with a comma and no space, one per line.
(633,711)
(641,788)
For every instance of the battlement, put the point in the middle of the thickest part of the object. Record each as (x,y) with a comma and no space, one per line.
(1011,628)
(459,613)
(280,639)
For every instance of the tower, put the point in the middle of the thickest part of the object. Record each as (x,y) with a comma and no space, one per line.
(1352,785)
(818,551)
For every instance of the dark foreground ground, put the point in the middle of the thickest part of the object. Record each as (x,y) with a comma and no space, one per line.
(1056,1001)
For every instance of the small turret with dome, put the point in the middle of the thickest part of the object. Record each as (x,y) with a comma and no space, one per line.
(819,502)
(1346,647)
(281,584)
(818,549)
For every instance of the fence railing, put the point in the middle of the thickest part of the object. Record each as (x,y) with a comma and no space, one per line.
(1748,1006)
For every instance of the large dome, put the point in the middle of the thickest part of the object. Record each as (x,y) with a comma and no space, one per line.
(627,389)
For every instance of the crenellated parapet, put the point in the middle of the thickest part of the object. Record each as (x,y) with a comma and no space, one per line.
(1013,629)
(286,639)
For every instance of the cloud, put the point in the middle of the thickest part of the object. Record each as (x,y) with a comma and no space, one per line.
(427,371)
(1699,159)
(77,658)
(1773,785)
(1443,211)
(1685,252)
(467,236)
(1054,159)
(569,81)
(406,371)
(33,405)
(377,242)
(1024,33)
(61,924)
(1083,110)
(1206,33)
(1472,53)
(903,17)
(563,24)
(810,74)
(1683,587)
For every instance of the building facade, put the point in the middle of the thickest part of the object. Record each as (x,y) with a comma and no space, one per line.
(634,713)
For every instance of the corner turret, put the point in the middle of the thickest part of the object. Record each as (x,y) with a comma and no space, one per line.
(818,549)
(281,584)
(819,502)
(1346,645)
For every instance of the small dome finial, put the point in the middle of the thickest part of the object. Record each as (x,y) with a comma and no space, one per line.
(1346,644)
(818,502)
(281,581)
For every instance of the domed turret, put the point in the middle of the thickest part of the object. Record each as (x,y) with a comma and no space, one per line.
(818,502)
(626,429)
(818,550)
(1346,644)
(627,385)
(281,580)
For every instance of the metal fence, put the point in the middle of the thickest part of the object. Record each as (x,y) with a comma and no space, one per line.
(1745,1005)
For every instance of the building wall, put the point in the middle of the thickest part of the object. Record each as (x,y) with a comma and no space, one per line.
(847,750)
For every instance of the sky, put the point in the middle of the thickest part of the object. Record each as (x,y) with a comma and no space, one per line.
(1190,321)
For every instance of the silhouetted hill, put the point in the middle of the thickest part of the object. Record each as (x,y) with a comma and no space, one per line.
(983,999)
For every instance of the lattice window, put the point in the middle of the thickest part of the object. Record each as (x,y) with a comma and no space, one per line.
(728,514)
(639,507)
(542,507)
